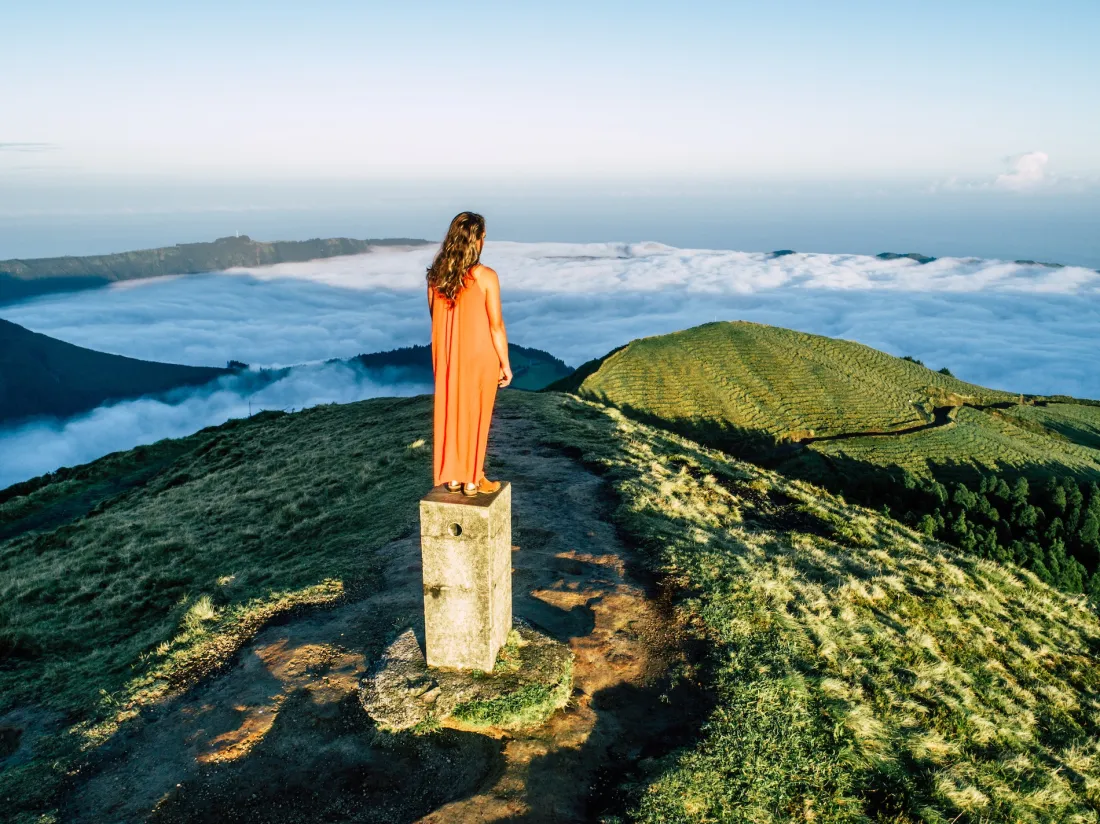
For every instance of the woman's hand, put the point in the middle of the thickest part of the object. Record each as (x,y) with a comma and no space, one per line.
(505,376)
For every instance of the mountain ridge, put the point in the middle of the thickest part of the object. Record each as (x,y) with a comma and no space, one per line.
(42,376)
(21,278)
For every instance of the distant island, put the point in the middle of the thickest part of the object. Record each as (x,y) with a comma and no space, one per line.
(25,278)
(41,376)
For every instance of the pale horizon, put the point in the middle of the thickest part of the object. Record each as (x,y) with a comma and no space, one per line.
(996,96)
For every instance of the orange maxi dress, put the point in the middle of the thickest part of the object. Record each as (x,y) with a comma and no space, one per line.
(466,373)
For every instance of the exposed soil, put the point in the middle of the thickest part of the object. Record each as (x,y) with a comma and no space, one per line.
(280,735)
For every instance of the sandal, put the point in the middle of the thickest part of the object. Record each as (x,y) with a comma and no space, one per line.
(484,487)
(454,486)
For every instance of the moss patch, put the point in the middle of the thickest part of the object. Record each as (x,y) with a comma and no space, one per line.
(533,678)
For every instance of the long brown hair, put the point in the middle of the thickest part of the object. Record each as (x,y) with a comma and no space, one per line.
(459,251)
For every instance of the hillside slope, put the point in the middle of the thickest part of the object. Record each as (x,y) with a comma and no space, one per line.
(853,669)
(42,376)
(761,380)
(25,278)
(750,388)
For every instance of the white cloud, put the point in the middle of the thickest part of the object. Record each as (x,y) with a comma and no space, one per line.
(42,446)
(1015,326)
(1028,171)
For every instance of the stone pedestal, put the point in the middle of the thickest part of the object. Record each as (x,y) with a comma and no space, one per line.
(466,548)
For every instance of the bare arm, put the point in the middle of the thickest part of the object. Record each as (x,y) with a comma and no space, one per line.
(490,285)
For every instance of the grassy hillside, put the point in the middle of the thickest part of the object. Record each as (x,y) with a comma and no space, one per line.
(1035,442)
(532,369)
(859,671)
(146,569)
(884,431)
(745,384)
(40,375)
(749,388)
(24,278)
(863,672)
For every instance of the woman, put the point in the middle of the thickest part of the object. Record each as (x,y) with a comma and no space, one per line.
(469,356)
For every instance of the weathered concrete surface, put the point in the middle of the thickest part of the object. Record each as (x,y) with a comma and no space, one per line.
(466,551)
(533,677)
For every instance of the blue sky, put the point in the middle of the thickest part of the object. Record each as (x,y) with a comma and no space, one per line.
(944,92)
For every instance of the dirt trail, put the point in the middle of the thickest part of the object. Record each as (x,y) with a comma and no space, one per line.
(941,416)
(280,736)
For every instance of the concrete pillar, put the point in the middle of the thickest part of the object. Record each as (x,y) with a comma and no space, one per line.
(466,548)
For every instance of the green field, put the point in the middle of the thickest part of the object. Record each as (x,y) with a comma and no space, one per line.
(727,381)
(749,388)
(859,671)
(1076,423)
(992,441)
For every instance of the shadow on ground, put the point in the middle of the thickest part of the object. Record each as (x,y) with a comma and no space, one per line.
(280,736)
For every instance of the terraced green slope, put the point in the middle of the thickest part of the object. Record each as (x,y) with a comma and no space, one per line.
(787,385)
(1073,422)
(750,388)
(1025,441)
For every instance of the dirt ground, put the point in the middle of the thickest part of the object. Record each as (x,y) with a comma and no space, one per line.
(280,735)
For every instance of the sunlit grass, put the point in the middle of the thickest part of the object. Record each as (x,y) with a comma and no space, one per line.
(861,671)
(157,586)
(748,388)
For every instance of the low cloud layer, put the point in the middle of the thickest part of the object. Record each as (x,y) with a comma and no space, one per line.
(38,447)
(1020,327)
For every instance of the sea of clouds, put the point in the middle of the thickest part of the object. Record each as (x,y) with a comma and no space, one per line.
(1021,327)
(42,446)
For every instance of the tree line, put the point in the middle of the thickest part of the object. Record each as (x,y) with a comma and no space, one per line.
(1051,527)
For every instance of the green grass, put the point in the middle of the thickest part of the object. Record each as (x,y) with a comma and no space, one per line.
(527,706)
(991,441)
(860,672)
(1076,423)
(749,379)
(752,390)
(112,605)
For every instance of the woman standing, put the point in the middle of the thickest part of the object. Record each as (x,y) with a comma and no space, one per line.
(469,355)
